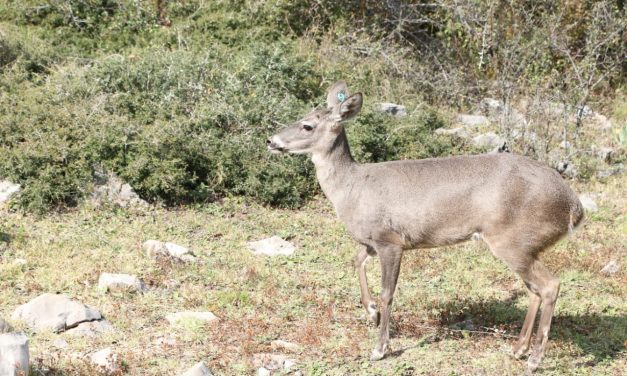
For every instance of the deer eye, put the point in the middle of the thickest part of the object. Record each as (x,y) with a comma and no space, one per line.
(308,127)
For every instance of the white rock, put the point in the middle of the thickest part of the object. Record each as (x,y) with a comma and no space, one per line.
(156,249)
(605,154)
(60,343)
(106,360)
(492,106)
(7,189)
(611,268)
(14,356)
(200,369)
(285,345)
(176,250)
(565,145)
(54,312)
(457,132)
(109,187)
(206,316)
(272,247)
(471,120)
(91,328)
(588,203)
(20,261)
(288,364)
(5,327)
(488,140)
(263,372)
(391,108)
(126,282)
(168,341)
(272,362)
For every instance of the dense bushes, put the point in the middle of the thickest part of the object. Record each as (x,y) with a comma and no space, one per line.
(178,97)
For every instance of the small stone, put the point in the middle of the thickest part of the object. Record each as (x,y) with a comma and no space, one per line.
(492,106)
(106,360)
(14,356)
(125,282)
(391,108)
(20,261)
(471,120)
(199,369)
(468,325)
(60,343)
(174,318)
(272,362)
(110,188)
(156,249)
(91,328)
(488,140)
(263,372)
(588,203)
(165,341)
(284,345)
(7,189)
(288,364)
(611,268)
(272,246)
(565,145)
(457,132)
(566,169)
(54,312)
(5,327)
(605,154)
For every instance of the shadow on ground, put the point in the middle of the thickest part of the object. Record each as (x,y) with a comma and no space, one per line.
(602,336)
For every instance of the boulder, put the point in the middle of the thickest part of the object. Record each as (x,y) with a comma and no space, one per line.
(108,188)
(273,246)
(488,140)
(206,316)
(461,132)
(157,249)
(391,108)
(472,121)
(199,369)
(91,328)
(14,356)
(107,361)
(611,268)
(7,189)
(272,362)
(54,312)
(124,282)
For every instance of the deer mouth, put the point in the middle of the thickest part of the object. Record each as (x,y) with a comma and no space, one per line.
(274,147)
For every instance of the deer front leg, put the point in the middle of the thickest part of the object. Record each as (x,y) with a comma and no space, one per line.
(370,306)
(390,257)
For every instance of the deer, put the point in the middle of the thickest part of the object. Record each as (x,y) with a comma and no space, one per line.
(517,205)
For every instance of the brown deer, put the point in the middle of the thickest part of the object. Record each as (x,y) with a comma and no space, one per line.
(518,206)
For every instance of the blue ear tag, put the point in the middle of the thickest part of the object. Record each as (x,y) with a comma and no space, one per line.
(341,96)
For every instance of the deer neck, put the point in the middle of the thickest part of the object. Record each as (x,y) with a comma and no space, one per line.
(334,169)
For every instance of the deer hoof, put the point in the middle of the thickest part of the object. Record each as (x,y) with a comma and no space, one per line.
(376,355)
(519,352)
(533,363)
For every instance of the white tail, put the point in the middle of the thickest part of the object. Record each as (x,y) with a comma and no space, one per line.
(519,206)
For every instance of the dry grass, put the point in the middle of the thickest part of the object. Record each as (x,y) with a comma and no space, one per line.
(312,297)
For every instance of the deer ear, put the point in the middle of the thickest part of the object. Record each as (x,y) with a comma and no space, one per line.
(348,109)
(337,94)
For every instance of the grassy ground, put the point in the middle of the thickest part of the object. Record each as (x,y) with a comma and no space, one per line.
(312,297)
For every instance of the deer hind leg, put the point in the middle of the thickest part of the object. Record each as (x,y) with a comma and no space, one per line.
(543,288)
(364,254)
(390,256)
(541,282)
